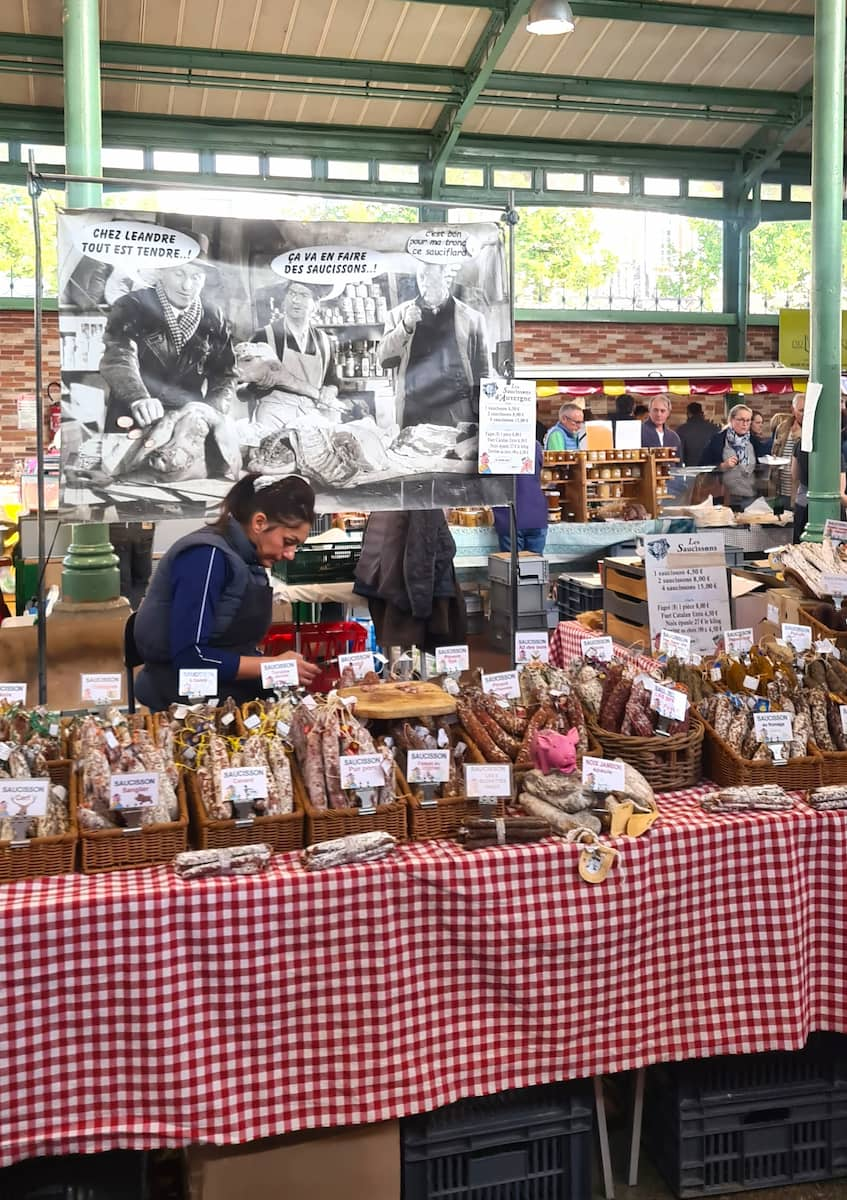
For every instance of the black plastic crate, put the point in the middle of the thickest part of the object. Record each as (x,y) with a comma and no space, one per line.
(531,1144)
(115,1175)
(577,594)
(325,562)
(733,1124)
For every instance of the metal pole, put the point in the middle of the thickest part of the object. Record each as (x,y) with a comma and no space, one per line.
(41,628)
(827,183)
(83,118)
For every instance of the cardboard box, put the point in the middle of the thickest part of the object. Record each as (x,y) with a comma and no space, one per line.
(786,602)
(360,1163)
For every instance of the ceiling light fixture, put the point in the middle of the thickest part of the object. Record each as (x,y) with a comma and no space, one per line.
(550,17)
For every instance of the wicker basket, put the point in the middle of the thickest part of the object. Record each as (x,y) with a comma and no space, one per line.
(727,768)
(117,849)
(667,763)
(322,824)
(807,615)
(281,832)
(45,855)
(448,813)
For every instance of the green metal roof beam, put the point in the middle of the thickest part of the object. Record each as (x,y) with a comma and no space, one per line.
(662,93)
(608,108)
(700,16)
(486,54)
(197,58)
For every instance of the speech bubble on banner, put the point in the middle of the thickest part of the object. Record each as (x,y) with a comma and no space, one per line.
(135,244)
(330,264)
(443,246)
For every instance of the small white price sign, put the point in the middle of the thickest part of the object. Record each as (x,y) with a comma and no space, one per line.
(773,614)
(361,663)
(134,790)
(600,649)
(12,693)
(834,585)
(279,674)
(502,683)
(836,531)
(798,636)
(24,797)
(428,766)
(101,689)
(197,684)
(738,641)
(452,658)
(675,645)
(488,779)
(244,783)
(362,771)
(669,702)
(603,774)
(751,683)
(532,647)
(842,708)
(773,727)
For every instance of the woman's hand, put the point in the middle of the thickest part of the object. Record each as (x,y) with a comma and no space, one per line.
(306,671)
(729,462)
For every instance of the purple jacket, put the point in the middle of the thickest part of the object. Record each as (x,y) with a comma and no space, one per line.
(530,501)
(650,437)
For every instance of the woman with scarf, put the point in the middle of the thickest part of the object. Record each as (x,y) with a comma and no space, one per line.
(733,455)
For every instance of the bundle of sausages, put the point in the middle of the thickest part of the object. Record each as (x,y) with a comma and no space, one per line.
(267,752)
(28,762)
(501,831)
(504,732)
(108,745)
(320,736)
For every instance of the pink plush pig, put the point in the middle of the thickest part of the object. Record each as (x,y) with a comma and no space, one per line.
(553,751)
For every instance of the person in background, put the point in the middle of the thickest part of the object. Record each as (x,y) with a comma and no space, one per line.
(695,433)
(786,436)
(209,602)
(530,512)
(624,408)
(654,431)
(133,544)
(757,433)
(640,413)
(732,452)
(800,477)
(569,431)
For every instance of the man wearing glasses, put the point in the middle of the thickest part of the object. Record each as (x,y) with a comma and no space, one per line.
(569,431)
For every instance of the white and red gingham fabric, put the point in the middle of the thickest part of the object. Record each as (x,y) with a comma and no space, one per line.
(567,638)
(137,1010)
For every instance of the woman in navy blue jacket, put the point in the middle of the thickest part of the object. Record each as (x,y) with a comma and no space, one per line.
(209,602)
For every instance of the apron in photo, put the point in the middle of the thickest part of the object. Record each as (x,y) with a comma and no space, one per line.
(280,410)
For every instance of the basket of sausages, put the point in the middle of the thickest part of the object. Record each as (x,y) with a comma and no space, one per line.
(654,731)
(323,732)
(237,776)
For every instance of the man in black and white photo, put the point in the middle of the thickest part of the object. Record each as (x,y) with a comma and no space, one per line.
(439,348)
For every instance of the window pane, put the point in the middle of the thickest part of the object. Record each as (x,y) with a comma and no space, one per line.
(660,187)
(513,179)
(771,191)
(564,181)
(123,159)
(398,172)
(237,164)
(52,155)
(705,189)
(611,184)
(338,169)
(4,152)
(801,193)
(175,160)
(294,168)
(465,176)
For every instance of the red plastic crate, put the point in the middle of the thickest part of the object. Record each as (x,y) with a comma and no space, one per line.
(318,643)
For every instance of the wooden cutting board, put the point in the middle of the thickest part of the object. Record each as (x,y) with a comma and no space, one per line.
(393,701)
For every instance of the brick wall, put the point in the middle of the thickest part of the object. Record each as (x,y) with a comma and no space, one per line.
(537,341)
(17,378)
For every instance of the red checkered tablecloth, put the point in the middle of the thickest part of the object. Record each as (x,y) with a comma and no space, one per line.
(568,636)
(139,1011)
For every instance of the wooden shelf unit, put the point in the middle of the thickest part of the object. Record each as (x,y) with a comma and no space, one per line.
(589,480)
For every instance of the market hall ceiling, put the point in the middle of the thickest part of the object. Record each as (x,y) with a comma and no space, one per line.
(440,78)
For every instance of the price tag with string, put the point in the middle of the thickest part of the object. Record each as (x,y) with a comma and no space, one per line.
(488,783)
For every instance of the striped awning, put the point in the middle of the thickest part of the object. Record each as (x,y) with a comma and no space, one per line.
(679,379)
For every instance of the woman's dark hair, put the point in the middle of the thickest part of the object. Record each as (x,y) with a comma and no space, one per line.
(624,405)
(695,409)
(640,410)
(288,501)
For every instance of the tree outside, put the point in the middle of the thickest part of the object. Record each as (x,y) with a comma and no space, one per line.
(559,254)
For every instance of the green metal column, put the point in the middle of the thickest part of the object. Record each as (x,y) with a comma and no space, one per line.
(827,193)
(736,285)
(98,579)
(83,118)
